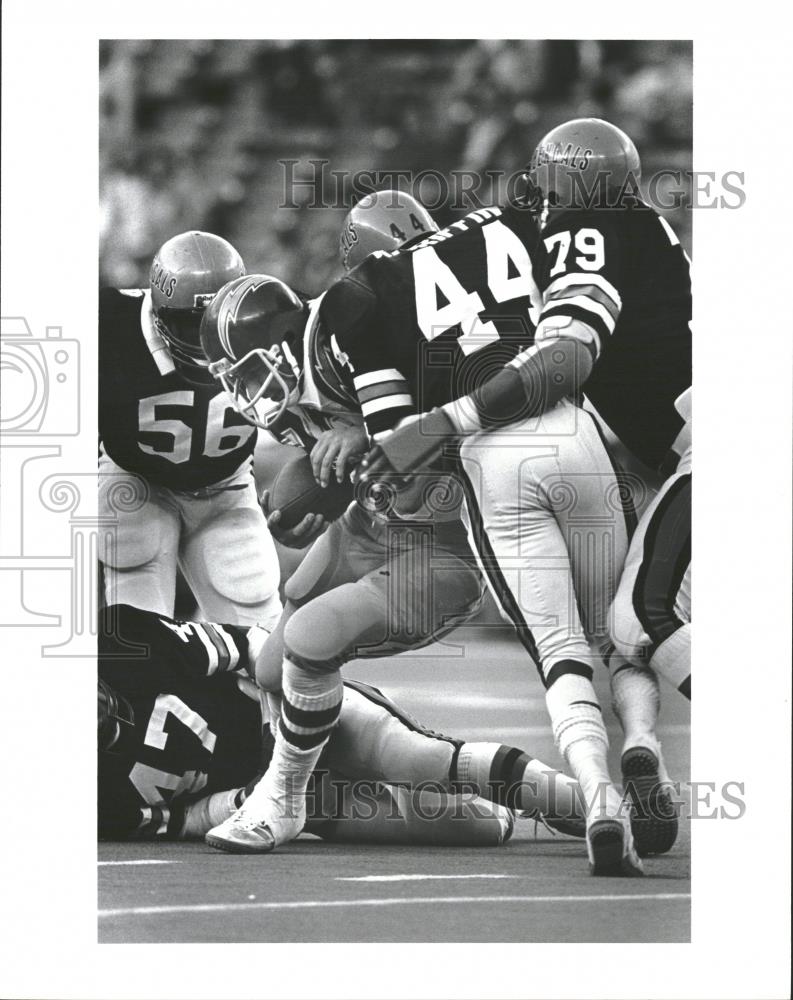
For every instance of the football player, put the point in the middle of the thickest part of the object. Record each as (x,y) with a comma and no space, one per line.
(414,326)
(175,456)
(615,324)
(409,575)
(651,620)
(617,281)
(180,743)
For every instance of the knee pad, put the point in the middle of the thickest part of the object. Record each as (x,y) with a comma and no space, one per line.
(237,556)
(138,535)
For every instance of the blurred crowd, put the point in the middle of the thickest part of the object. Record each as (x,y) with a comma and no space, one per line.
(192,132)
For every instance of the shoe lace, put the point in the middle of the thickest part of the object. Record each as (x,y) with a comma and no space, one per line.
(539,820)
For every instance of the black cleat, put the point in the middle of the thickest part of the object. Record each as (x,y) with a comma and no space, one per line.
(653,811)
(610,849)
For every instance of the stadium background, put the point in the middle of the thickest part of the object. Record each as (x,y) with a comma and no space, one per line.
(192,132)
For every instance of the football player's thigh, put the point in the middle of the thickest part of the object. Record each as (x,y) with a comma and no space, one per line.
(552,528)
(339,556)
(432,584)
(393,608)
(376,741)
(139,550)
(657,573)
(592,503)
(229,559)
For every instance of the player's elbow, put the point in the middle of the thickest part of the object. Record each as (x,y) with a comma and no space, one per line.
(571,364)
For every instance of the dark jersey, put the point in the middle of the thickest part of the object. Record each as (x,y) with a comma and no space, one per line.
(173,433)
(624,273)
(428,323)
(194,731)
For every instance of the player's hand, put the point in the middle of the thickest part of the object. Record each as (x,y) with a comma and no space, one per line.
(411,448)
(335,449)
(303,534)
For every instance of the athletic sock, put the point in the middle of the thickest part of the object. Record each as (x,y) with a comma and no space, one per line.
(577,723)
(310,708)
(672,659)
(512,778)
(310,705)
(636,700)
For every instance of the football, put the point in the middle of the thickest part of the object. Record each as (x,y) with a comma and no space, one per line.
(296,493)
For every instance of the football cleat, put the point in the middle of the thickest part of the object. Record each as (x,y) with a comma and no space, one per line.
(259,826)
(610,848)
(653,813)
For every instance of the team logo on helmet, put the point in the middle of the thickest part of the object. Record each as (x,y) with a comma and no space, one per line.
(567,156)
(349,237)
(162,279)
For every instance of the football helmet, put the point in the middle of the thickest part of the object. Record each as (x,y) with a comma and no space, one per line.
(185,275)
(115,715)
(582,163)
(385,220)
(252,340)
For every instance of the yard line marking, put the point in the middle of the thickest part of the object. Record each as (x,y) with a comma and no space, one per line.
(318,904)
(147,861)
(412,878)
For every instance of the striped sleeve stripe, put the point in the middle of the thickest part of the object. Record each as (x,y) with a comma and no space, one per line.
(587,316)
(209,646)
(393,388)
(231,647)
(588,291)
(372,378)
(387,403)
(585,303)
(579,278)
(224,657)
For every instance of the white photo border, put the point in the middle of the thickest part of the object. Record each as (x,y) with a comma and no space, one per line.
(741,716)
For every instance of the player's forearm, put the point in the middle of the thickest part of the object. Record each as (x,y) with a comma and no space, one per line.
(530,385)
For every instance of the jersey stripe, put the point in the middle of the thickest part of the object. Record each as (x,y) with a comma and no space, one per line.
(382,389)
(371,378)
(581,278)
(589,291)
(575,311)
(231,647)
(402,399)
(209,646)
(219,644)
(583,302)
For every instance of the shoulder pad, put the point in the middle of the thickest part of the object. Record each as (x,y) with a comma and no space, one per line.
(348,303)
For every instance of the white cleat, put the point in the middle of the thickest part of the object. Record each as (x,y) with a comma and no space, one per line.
(261,824)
